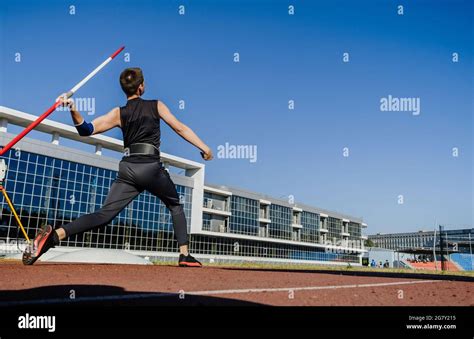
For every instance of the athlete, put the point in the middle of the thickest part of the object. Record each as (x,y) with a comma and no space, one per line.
(140,169)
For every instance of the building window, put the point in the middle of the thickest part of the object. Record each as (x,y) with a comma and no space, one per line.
(244,219)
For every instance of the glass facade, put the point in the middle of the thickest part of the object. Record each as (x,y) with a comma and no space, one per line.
(335,229)
(244,219)
(310,222)
(52,191)
(254,248)
(461,239)
(354,231)
(281,217)
(49,190)
(206,221)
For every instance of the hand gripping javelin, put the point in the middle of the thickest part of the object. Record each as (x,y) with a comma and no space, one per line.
(57,103)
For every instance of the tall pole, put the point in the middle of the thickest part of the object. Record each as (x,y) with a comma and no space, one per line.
(434,250)
(69,94)
(447,251)
(441,248)
(470,250)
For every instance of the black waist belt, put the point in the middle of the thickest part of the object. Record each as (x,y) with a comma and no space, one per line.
(141,149)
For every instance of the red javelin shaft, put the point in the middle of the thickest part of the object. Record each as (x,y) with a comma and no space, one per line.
(57,103)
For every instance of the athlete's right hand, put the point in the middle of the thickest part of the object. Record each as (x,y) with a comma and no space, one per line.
(207,154)
(66,102)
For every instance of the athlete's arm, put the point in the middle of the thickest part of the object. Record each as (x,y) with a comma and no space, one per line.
(183,131)
(107,121)
(99,125)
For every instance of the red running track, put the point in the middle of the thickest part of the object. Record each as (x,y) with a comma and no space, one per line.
(169,285)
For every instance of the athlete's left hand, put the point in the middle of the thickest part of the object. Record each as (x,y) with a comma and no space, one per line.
(207,154)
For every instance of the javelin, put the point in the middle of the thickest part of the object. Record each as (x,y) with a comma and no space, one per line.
(57,103)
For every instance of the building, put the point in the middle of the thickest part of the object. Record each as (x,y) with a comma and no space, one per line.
(51,183)
(458,239)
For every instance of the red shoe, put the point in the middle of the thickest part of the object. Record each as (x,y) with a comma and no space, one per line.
(43,241)
(188,261)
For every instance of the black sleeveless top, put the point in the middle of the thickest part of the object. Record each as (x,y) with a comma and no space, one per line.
(140,124)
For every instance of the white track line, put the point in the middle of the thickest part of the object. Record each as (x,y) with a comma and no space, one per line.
(309,288)
(145,295)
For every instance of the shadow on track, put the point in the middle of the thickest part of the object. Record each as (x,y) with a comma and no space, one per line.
(104,295)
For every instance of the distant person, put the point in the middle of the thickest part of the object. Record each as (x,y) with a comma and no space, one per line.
(373,263)
(386,264)
(140,169)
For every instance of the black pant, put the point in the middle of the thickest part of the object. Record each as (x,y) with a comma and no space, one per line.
(132,179)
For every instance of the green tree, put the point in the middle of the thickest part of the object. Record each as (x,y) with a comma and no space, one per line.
(369,243)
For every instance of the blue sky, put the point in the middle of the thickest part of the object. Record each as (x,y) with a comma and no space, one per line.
(282,58)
